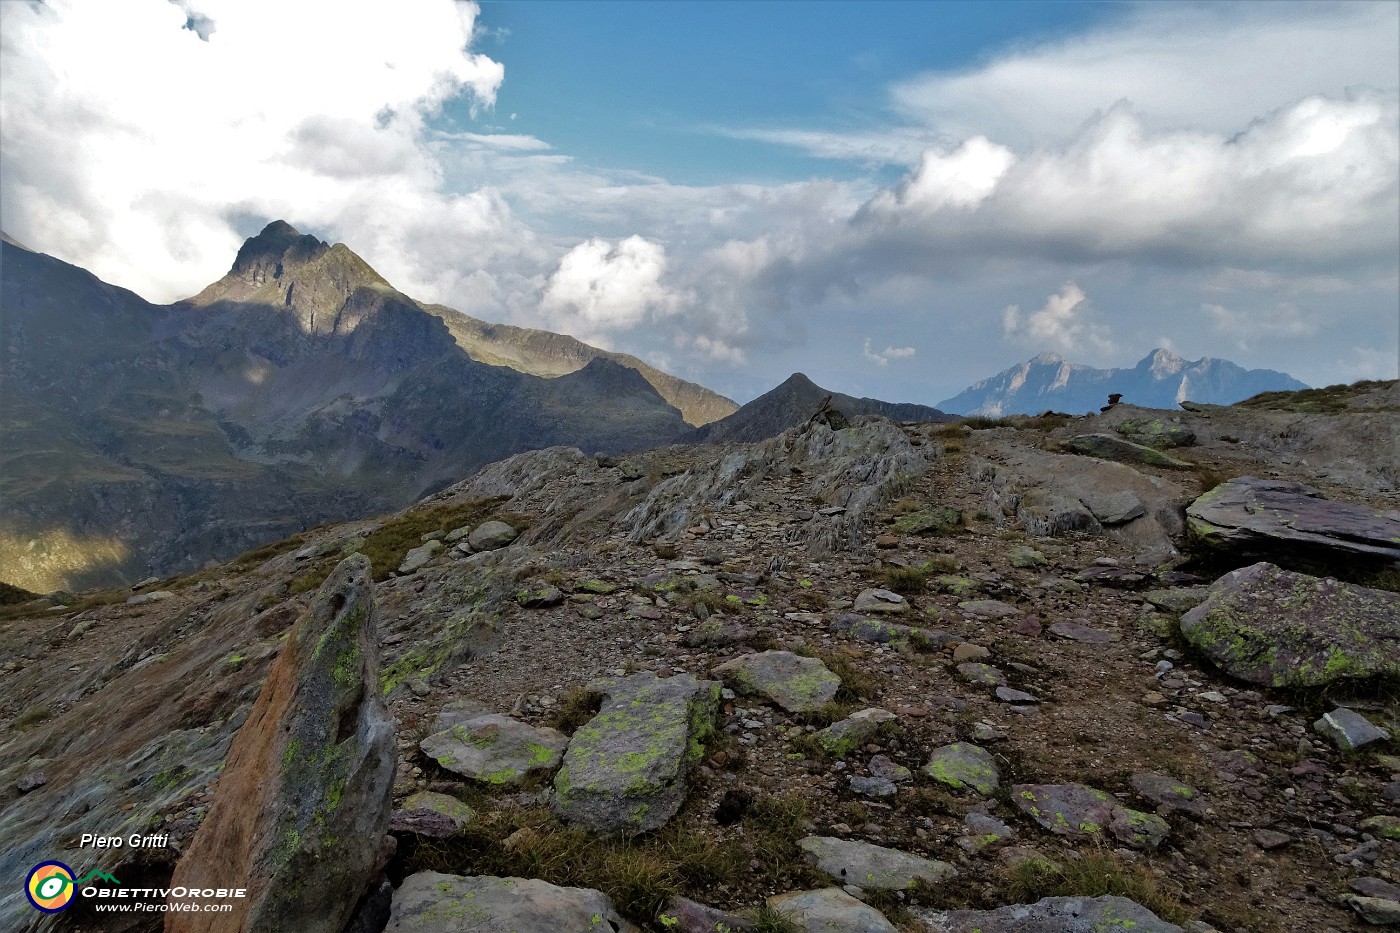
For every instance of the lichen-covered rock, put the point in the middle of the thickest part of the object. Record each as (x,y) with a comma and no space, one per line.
(626,769)
(1282,629)
(495,749)
(841,738)
(1025,556)
(1113,506)
(873,867)
(1170,795)
(934,521)
(988,608)
(430,814)
(539,596)
(1051,915)
(301,810)
(489,536)
(962,765)
(796,683)
(975,672)
(1078,811)
(429,902)
(829,910)
(682,915)
(1289,522)
(1109,447)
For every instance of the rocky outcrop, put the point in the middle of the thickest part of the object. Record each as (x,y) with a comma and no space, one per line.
(302,808)
(1052,915)
(1278,628)
(429,902)
(1291,524)
(626,769)
(1108,447)
(1078,811)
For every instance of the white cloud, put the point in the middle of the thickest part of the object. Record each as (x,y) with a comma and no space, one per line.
(129,139)
(1246,326)
(602,287)
(1063,323)
(889,353)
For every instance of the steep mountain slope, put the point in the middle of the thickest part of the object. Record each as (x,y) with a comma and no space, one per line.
(1160,379)
(793,402)
(542,353)
(299,388)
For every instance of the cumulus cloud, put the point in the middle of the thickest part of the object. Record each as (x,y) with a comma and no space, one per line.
(135,166)
(1063,323)
(889,353)
(602,287)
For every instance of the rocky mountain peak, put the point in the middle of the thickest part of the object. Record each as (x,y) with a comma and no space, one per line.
(278,247)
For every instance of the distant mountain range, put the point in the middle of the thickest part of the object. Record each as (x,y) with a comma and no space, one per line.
(1160,380)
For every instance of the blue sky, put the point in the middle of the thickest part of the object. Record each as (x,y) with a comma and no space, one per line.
(896,198)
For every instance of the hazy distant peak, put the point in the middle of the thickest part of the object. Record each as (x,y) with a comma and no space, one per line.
(5,237)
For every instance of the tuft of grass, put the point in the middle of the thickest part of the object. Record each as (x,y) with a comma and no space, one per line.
(980,423)
(768,920)
(575,707)
(1095,874)
(910,581)
(857,684)
(311,579)
(1383,580)
(32,717)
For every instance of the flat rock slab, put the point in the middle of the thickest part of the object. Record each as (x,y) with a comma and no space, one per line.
(1113,508)
(988,608)
(1277,628)
(870,866)
(1078,811)
(1274,519)
(495,749)
(1083,633)
(873,631)
(1170,795)
(488,536)
(682,915)
(417,557)
(626,769)
(1052,915)
(1157,433)
(1348,729)
(429,902)
(1110,447)
(796,683)
(829,910)
(962,765)
(975,672)
(841,738)
(875,600)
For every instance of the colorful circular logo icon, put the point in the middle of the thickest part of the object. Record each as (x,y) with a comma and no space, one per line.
(49,887)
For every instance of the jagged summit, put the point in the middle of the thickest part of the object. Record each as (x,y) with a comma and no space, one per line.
(1161,379)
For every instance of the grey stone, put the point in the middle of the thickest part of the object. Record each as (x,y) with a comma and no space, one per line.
(1157,433)
(872,867)
(877,600)
(1051,915)
(1109,447)
(798,684)
(495,749)
(1268,839)
(539,597)
(154,596)
(1285,521)
(1009,695)
(975,672)
(1176,600)
(873,786)
(883,767)
(829,910)
(1349,729)
(1282,629)
(1169,794)
(872,631)
(1078,811)
(429,902)
(841,738)
(988,608)
(940,520)
(430,814)
(682,915)
(1376,887)
(983,832)
(1024,556)
(490,536)
(963,765)
(627,769)
(417,557)
(31,781)
(1376,911)
(1074,631)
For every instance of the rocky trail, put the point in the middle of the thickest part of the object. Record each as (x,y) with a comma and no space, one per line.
(1042,675)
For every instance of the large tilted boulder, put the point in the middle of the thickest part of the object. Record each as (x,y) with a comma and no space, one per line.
(1112,447)
(429,902)
(1051,915)
(798,684)
(495,749)
(626,769)
(1291,524)
(300,813)
(829,910)
(1277,628)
